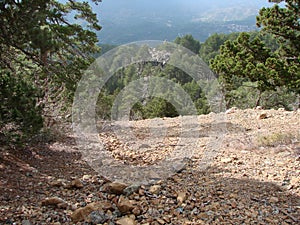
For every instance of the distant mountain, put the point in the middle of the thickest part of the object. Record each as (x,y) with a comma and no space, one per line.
(126,21)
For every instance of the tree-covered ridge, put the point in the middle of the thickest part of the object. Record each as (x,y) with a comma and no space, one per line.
(148,83)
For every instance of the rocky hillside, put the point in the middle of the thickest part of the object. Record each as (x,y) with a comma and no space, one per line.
(252,176)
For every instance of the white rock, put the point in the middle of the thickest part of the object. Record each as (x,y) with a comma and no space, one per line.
(226,160)
(231,110)
(155,189)
(126,221)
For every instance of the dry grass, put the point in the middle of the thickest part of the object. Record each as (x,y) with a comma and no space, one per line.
(277,138)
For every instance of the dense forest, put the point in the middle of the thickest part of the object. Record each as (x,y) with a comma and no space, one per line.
(43,57)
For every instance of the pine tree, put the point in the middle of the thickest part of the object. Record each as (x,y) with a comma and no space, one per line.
(43,52)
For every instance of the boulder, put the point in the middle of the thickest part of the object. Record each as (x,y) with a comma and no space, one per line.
(82,213)
(116,188)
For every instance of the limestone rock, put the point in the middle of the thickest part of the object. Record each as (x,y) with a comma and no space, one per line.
(136,211)
(82,213)
(54,201)
(226,160)
(131,189)
(160,221)
(97,217)
(77,183)
(295,182)
(125,206)
(273,200)
(181,197)
(155,189)
(126,221)
(58,183)
(26,222)
(116,188)
(178,167)
(87,177)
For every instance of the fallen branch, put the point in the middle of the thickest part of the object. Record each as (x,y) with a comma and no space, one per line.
(288,215)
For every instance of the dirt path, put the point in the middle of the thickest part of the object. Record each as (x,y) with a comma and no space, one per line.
(249,173)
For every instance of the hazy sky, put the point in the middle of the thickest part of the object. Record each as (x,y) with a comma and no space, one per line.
(109,8)
(189,4)
(140,19)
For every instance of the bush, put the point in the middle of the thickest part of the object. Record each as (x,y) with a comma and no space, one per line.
(19,114)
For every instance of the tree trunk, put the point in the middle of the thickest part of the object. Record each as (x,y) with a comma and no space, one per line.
(44,57)
(296,105)
(257,103)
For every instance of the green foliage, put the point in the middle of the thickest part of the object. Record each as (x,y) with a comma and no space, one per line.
(198,97)
(149,99)
(40,30)
(211,47)
(104,48)
(247,94)
(270,59)
(104,105)
(43,53)
(188,42)
(245,58)
(284,24)
(158,107)
(136,86)
(18,110)
(282,97)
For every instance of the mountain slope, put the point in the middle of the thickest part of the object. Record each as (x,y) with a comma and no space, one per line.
(254,177)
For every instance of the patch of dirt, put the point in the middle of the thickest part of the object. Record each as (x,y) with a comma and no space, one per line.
(250,174)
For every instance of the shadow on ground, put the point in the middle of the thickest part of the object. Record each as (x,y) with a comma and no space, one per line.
(212,198)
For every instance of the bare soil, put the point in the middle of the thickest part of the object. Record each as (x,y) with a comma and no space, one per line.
(249,175)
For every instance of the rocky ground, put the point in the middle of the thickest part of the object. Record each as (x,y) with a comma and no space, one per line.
(244,169)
